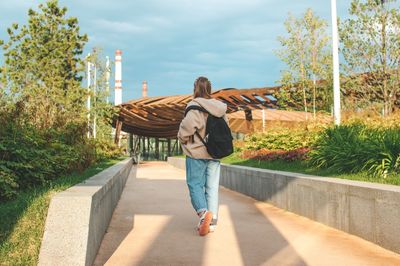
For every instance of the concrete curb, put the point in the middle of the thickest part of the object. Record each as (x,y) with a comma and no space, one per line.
(79,216)
(368,210)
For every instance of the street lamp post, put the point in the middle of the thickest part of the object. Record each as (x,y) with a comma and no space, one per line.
(95,101)
(336,78)
(108,72)
(89,74)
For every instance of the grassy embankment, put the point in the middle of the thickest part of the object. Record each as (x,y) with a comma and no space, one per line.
(305,168)
(23,219)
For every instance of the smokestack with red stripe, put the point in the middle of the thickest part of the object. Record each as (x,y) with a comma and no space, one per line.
(144,89)
(118,77)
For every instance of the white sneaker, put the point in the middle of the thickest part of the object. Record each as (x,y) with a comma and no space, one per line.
(212,228)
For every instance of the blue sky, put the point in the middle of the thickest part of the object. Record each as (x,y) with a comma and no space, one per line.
(170,43)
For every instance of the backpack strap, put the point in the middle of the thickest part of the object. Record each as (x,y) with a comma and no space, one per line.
(198,135)
(195,107)
(201,109)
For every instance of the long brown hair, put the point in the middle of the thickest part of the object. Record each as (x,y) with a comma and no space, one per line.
(202,88)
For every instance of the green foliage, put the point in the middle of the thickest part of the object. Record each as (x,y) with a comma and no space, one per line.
(273,155)
(43,117)
(307,56)
(371,48)
(284,139)
(306,168)
(101,111)
(8,186)
(23,219)
(29,157)
(106,149)
(356,147)
(42,66)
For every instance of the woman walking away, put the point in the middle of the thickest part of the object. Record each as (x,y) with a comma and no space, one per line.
(202,171)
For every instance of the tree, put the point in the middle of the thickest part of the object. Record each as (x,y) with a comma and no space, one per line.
(306,54)
(42,66)
(319,57)
(371,48)
(293,55)
(101,111)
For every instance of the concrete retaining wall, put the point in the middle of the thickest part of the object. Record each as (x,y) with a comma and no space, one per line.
(78,217)
(367,210)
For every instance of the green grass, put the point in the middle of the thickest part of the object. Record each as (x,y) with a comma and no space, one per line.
(23,219)
(305,168)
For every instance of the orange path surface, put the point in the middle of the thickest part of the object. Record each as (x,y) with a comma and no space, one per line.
(154,224)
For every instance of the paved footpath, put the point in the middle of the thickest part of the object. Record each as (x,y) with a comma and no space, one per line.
(154,224)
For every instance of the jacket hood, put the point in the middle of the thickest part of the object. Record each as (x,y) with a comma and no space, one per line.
(213,106)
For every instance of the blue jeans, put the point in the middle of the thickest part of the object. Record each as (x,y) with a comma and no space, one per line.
(202,178)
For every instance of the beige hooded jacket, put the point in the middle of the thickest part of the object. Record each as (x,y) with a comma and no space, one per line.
(191,144)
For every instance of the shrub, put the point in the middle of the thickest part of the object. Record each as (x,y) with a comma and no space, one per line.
(270,155)
(30,157)
(356,147)
(283,139)
(107,149)
(8,186)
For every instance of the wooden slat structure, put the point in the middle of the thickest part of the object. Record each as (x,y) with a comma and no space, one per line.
(160,116)
(272,118)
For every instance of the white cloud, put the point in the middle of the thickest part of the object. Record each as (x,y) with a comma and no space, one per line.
(207,57)
(194,12)
(157,21)
(169,43)
(120,26)
(190,67)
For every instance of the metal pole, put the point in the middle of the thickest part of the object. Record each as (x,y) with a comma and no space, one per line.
(157,149)
(108,72)
(144,146)
(94,100)
(263,119)
(336,77)
(130,144)
(314,93)
(169,147)
(89,73)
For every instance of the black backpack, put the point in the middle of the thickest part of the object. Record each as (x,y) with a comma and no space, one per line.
(218,139)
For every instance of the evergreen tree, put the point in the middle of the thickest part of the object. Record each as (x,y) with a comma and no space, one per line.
(42,67)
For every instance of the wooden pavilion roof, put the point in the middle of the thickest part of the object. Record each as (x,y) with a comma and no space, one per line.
(273,117)
(161,116)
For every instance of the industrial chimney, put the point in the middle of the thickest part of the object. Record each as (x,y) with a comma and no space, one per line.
(118,77)
(144,88)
